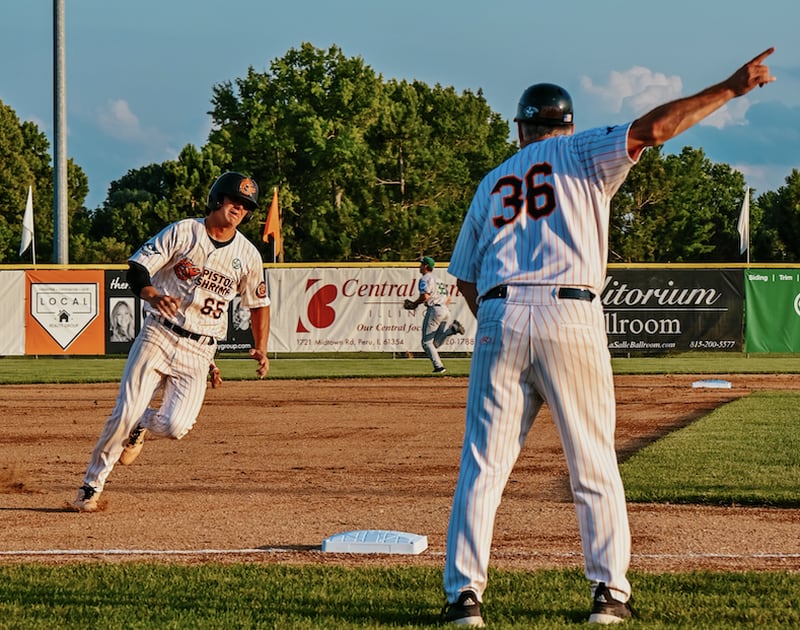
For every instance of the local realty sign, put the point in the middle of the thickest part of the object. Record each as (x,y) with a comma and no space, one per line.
(64,310)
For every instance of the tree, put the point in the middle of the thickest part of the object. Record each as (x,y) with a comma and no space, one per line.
(25,161)
(676,208)
(367,169)
(143,202)
(775,225)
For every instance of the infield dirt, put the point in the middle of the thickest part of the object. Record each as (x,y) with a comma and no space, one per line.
(277,466)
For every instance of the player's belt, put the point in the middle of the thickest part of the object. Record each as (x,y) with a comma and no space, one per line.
(182,332)
(500,292)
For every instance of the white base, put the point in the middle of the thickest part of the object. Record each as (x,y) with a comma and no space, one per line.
(714,383)
(375,541)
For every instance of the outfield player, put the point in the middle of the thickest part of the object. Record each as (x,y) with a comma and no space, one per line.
(531,260)
(187,275)
(436,325)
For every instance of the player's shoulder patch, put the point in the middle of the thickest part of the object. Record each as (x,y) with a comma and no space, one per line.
(149,249)
(261,290)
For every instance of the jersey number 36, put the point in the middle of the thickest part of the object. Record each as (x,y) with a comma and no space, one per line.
(539,199)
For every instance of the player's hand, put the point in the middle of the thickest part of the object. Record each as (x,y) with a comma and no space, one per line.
(165,304)
(215,376)
(263,361)
(753,74)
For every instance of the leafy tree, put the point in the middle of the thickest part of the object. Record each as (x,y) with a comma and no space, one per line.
(143,201)
(676,208)
(775,223)
(25,161)
(367,169)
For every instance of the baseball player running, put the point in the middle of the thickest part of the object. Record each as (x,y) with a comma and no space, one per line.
(436,326)
(531,260)
(187,275)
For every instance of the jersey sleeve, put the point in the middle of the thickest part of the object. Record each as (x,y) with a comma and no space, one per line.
(604,154)
(156,252)
(253,284)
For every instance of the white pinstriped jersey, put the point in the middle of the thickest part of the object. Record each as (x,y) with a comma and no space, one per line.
(185,263)
(541,217)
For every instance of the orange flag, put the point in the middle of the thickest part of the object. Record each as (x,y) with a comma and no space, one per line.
(272,227)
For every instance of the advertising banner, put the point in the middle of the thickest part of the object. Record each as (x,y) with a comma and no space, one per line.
(356,310)
(655,311)
(12,313)
(122,313)
(772,310)
(63,315)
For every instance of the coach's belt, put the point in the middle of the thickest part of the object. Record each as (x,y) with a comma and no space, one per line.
(564,293)
(182,332)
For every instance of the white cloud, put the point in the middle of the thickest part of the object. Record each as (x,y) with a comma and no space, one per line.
(734,113)
(634,91)
(118,121)
(637,90)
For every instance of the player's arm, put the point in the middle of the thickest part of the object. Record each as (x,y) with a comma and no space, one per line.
(139,281)
(470,292)
(259,320)
(670,119)
(421,299)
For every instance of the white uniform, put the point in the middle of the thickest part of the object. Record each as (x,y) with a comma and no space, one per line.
(184,263)
(537,224)
(436,323)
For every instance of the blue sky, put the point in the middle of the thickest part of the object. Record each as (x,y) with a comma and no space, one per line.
(140,74)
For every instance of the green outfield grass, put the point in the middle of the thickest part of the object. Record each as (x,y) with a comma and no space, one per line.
(746,453)
(108,369)
(211,596)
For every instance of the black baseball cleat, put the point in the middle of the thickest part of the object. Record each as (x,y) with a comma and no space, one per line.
(466,611)
(458,327)
(440,370)
(607,610)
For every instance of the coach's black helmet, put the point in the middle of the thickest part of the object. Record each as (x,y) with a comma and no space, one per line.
(235,186)
(545,104)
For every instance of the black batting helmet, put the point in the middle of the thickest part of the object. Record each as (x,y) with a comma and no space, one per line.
(235,186)
(545,104)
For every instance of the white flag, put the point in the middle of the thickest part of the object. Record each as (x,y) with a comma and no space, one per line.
(744,223)
(27,224)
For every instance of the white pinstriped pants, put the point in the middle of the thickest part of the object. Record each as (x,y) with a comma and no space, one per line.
(158,359)
(532,347)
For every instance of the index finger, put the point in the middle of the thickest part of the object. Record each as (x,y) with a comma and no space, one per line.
(763,55)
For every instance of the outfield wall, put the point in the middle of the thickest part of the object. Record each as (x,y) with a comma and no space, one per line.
(649,309)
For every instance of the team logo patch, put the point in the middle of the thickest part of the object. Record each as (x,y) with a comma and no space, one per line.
(261,290)
(236,264)
(247,187)
(149,249)
(186,269)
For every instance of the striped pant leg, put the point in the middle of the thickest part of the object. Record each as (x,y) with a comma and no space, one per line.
(577,383)
(184,390)
(501,406)
(140,381)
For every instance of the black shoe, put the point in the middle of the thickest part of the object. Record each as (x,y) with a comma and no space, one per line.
(439,370)
(465,612)
(458,327)
(607,610)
